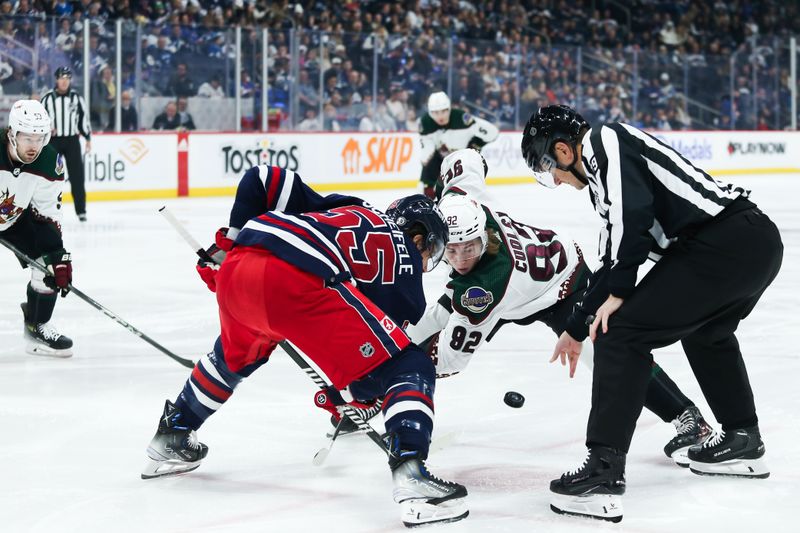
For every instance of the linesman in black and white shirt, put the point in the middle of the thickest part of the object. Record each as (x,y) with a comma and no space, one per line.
(716,252)
(70,119)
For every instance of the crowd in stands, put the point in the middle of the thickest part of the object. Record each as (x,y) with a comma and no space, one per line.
(501,59)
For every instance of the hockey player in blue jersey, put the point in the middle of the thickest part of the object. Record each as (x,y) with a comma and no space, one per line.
(339,279)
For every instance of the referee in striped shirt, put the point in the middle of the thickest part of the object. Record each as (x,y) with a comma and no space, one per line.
(716,253)
(70,119)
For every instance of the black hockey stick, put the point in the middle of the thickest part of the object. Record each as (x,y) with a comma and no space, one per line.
(110,314)
(348,410)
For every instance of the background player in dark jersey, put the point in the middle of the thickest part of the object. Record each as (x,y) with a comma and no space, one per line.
(339,279)
(716,254)
(31,181)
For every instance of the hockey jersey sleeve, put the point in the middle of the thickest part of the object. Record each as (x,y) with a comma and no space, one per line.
(45,206)
(625,240)
(483,132)
(267,188)
(465,175)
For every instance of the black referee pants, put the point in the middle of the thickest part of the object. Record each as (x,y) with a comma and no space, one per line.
(70,148)
(697,294)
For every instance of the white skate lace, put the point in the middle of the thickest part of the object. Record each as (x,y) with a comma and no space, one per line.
(685,422)
(192,441)
(48,332)
(585,461)
(714,439)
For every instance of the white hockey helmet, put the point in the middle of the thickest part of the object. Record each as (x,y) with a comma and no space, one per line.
(438,101)
(28,116)
(465,219)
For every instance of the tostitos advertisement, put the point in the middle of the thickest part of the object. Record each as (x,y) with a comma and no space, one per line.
(210,164)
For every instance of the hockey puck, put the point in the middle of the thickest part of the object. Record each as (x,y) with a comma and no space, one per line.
(514,399)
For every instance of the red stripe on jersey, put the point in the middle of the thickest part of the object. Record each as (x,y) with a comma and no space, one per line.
(275,180)
(209,385)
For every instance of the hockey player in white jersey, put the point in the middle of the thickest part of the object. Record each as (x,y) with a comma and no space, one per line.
(31,181)
(443,130)
(505,271)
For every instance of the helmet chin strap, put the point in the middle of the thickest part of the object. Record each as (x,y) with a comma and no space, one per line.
(571,167)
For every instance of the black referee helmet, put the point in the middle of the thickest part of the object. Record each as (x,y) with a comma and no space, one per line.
(63,72)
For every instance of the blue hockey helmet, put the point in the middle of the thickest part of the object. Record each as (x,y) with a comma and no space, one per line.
(418,215)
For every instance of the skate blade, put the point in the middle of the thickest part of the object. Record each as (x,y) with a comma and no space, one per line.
(35,348)
(170,467)
(755,468)
(415,513)
(598,506)
(681,457)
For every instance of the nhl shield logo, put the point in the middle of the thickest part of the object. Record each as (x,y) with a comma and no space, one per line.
(16,171)
(367,350)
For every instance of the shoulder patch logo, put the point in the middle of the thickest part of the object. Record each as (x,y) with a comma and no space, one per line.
(477,299)
(59,164)
(468,119)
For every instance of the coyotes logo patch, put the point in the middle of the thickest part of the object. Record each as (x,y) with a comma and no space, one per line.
(8,211)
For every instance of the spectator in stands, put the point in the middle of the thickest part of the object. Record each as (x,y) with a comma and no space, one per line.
(184,117)
(330,122)
(18,84)
(411,123)
(130,118)
(169,119)
(212,88)
(104,94)
(311,121)
(307,93)
(396,105)
(181,84)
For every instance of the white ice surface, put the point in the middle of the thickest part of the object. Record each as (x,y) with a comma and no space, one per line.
(73,432)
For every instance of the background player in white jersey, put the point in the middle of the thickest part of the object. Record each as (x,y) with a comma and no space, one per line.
(31,180)
(505,271)
(444,130)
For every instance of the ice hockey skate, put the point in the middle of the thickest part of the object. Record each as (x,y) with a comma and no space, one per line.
(424,498)
(692,430)
(174,448)
(44,339)
(595,489)
(738,453)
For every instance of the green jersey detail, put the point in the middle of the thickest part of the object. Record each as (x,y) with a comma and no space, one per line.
(477,293)
(459,120)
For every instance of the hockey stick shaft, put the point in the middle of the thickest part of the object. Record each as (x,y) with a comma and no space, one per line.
(110,314)
(288,348)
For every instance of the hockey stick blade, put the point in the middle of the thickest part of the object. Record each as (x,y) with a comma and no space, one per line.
(110,314)
(322,454)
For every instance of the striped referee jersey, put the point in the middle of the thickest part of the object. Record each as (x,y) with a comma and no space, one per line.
(648,196)
(68,113)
